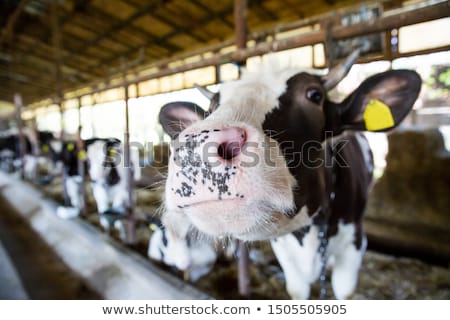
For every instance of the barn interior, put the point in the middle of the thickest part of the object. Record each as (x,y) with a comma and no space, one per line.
(81,69)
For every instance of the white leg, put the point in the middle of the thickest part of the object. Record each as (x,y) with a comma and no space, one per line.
(300,262)
(30,167)
(73,185)
(101,197)
(345,270)
(119,196)
(121,226)
(156,249)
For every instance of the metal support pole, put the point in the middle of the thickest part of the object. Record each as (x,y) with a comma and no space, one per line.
(94,102)
(131,236)
(240,20)
(56,39)
(81,156)
(217,73)
(19,104)
(36,149)
(64,171)
(329,54)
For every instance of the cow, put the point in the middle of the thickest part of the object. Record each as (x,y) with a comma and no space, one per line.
(37,150)
(275,159)
(107,172)
(196,258)
(10,150)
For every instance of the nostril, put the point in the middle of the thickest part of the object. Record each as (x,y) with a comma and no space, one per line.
(229,150)
(232,147)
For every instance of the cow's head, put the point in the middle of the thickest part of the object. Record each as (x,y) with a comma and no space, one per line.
(248,168)
(104,161)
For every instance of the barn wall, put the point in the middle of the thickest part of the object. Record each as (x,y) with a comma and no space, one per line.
(409,207)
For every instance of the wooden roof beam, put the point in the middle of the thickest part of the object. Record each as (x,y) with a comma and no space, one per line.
(264,12)
(29,93)
(135,29)
(22,78)
(69,64)
(166,38)
(24,71)
(413,16)
(45,38)
(64,19)
(9,29)
(124,23)
(213,14)
(186,20)
(432,12)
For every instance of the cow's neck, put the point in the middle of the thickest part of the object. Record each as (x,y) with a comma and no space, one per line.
(311,191)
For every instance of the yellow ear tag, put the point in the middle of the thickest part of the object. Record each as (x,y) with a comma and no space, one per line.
(153,227)
(378,116)
(70,146)
(44,148)
(82,155)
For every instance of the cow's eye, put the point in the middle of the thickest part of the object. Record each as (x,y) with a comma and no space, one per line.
(314,95)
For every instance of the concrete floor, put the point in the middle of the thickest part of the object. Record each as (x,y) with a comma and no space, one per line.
(29,268)
(64,259)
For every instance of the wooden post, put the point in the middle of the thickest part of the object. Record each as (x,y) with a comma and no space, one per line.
(94,102)
(131,237)
(217,73)
(81,156)
(56,39)
(328,43)
(240,20)
(36,149)
(19,104)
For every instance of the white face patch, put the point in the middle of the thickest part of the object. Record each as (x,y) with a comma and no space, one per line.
(251,98)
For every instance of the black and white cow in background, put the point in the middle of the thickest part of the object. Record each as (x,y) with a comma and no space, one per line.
(10,150)
(188,254)
(107,172)
(38,150)
(256,166)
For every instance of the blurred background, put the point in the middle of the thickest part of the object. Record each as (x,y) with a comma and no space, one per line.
(73,67)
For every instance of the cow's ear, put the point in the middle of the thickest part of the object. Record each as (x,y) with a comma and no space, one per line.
(380,103)
(177,116)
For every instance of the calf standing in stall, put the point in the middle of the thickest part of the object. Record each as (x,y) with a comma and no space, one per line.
(275,159)
(195,258)
(38,151)
(107,172)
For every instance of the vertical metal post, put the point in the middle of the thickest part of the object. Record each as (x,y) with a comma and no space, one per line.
(94,102)
(64,170)
(36,149)
(18,102)
(81,156)
(328,44)
(131,238)
(56,39)
(137,87)
(217,73)
(240,20)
